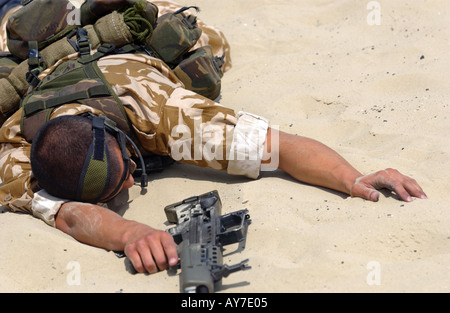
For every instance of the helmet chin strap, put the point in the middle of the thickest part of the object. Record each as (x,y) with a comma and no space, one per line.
(144,179)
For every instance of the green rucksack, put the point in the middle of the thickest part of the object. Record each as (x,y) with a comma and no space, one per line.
(47,21)
(44,48)
(169,37)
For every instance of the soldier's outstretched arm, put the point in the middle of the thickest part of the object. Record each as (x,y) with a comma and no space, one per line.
(147,248)
(312,162)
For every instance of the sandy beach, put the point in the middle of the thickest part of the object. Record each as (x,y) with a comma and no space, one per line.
(375,90)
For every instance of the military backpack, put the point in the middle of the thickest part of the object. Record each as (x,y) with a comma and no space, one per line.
(170,37)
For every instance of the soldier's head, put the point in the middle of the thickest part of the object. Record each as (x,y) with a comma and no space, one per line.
(80,159)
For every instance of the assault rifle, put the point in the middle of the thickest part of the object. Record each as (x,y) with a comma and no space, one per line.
(201,232)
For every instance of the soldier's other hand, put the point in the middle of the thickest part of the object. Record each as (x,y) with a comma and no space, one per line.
(366,186)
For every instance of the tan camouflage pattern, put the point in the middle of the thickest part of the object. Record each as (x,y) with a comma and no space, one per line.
(161,110)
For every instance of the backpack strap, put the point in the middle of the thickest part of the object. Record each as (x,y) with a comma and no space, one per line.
(40,105)
(103,50)
(35,64)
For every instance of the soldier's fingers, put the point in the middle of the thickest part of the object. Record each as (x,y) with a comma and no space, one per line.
(135,259)
(414,188)
(366,192)
(146,255)
(170,249)
(158,256)
(400,190)
(404,185)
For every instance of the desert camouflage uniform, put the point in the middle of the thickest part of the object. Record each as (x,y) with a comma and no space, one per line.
(167,118)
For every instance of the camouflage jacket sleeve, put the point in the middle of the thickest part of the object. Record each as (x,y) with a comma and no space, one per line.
(15,169)
(170,120)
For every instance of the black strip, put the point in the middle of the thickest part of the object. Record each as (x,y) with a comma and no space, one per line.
(98,129)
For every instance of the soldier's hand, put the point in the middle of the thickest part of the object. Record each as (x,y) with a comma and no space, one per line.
(366,186)
(151,250)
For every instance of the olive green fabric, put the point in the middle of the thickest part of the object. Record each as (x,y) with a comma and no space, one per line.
(33,23)
(92,10)
(95,178)
(7,64)
(201,72)
(174,36)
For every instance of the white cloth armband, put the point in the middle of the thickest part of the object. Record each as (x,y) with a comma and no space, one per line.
(46,206)
(247,146)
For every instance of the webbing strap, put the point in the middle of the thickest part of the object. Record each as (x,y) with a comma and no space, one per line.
(98,127)
(39,105)
(102,51)
(34,64)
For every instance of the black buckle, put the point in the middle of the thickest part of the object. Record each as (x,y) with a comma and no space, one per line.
(35,66)
(83,44)
(32,77)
